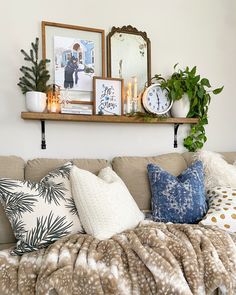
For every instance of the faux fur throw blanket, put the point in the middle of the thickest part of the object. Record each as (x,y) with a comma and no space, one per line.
(154,258)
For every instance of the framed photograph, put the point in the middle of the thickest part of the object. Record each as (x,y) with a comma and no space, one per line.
(77,54)
(108,96)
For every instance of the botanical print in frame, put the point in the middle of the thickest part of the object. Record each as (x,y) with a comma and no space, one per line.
(76,54)
(108,96)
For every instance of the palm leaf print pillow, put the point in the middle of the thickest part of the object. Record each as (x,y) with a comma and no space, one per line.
(40,213)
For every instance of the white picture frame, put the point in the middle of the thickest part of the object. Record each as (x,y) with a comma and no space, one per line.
(108,96)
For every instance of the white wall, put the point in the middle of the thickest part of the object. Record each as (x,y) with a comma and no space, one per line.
(190,32)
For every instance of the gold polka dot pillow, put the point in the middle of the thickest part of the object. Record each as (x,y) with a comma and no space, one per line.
(222,208)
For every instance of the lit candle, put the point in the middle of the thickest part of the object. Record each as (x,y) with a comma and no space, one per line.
(128,102)
(49,105)
(135,87)
(130,89)
(53,107)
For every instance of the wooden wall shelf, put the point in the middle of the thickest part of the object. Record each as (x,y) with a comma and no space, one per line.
(104,119)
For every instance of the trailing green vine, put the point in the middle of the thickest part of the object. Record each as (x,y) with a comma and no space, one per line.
(199,94)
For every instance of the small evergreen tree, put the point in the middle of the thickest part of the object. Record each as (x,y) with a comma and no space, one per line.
(34,78)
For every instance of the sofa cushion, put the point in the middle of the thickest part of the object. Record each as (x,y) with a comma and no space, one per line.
(178,199)
(229,157)
(222,208)
(218,172)
(10,167)
(133,171)
(40,213)
(104,203)
(36,169)
(6,246)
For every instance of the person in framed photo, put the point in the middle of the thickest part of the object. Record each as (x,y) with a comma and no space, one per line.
(70,69)
(76,71)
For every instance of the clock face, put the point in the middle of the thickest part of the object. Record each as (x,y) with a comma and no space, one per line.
(156,100)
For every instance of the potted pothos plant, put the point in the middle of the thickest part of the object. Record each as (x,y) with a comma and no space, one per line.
(34,80)
(186,84)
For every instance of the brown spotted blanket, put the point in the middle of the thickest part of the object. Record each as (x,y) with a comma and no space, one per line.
(154,258)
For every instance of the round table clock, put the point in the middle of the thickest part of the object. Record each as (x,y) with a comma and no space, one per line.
(156,100)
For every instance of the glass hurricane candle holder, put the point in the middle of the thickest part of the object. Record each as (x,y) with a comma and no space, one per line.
(53,99)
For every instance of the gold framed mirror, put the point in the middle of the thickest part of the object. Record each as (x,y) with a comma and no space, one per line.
(129,55)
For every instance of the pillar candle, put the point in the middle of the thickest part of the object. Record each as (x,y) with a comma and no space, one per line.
(130,89)
(135,87)
(128,102)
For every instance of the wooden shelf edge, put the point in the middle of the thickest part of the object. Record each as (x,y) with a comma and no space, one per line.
(105,119)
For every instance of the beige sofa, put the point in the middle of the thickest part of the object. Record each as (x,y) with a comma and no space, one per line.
(132,170)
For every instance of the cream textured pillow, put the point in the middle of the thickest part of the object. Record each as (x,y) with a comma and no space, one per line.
(104,203)
(222,208)
(217,171)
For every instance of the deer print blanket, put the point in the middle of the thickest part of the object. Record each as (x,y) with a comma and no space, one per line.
(154,258)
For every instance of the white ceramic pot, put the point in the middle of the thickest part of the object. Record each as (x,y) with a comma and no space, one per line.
(181,107)
(36,101)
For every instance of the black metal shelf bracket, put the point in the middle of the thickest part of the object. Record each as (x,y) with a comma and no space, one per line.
(43,139)
(176,127)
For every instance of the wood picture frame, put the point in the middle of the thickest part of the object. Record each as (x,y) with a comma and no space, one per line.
(115,48)
(77,54)
(108,96)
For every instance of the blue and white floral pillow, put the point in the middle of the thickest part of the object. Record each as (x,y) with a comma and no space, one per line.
(40,213)
(178,199)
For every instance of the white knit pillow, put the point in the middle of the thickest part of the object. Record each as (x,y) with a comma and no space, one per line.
(217,171)
(104,203)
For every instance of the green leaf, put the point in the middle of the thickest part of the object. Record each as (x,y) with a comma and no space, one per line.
(177,85)
(175,65)
(188,140)
(196,79)
(205,82)
(193,130)
(173,95)
(193,71)
(195,102)
(200,92)
(218,90)
(199,144)
(190,94)
(204,121)
(201,128)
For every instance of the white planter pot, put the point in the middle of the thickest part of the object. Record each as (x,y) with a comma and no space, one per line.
(180,108)
(35,101)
